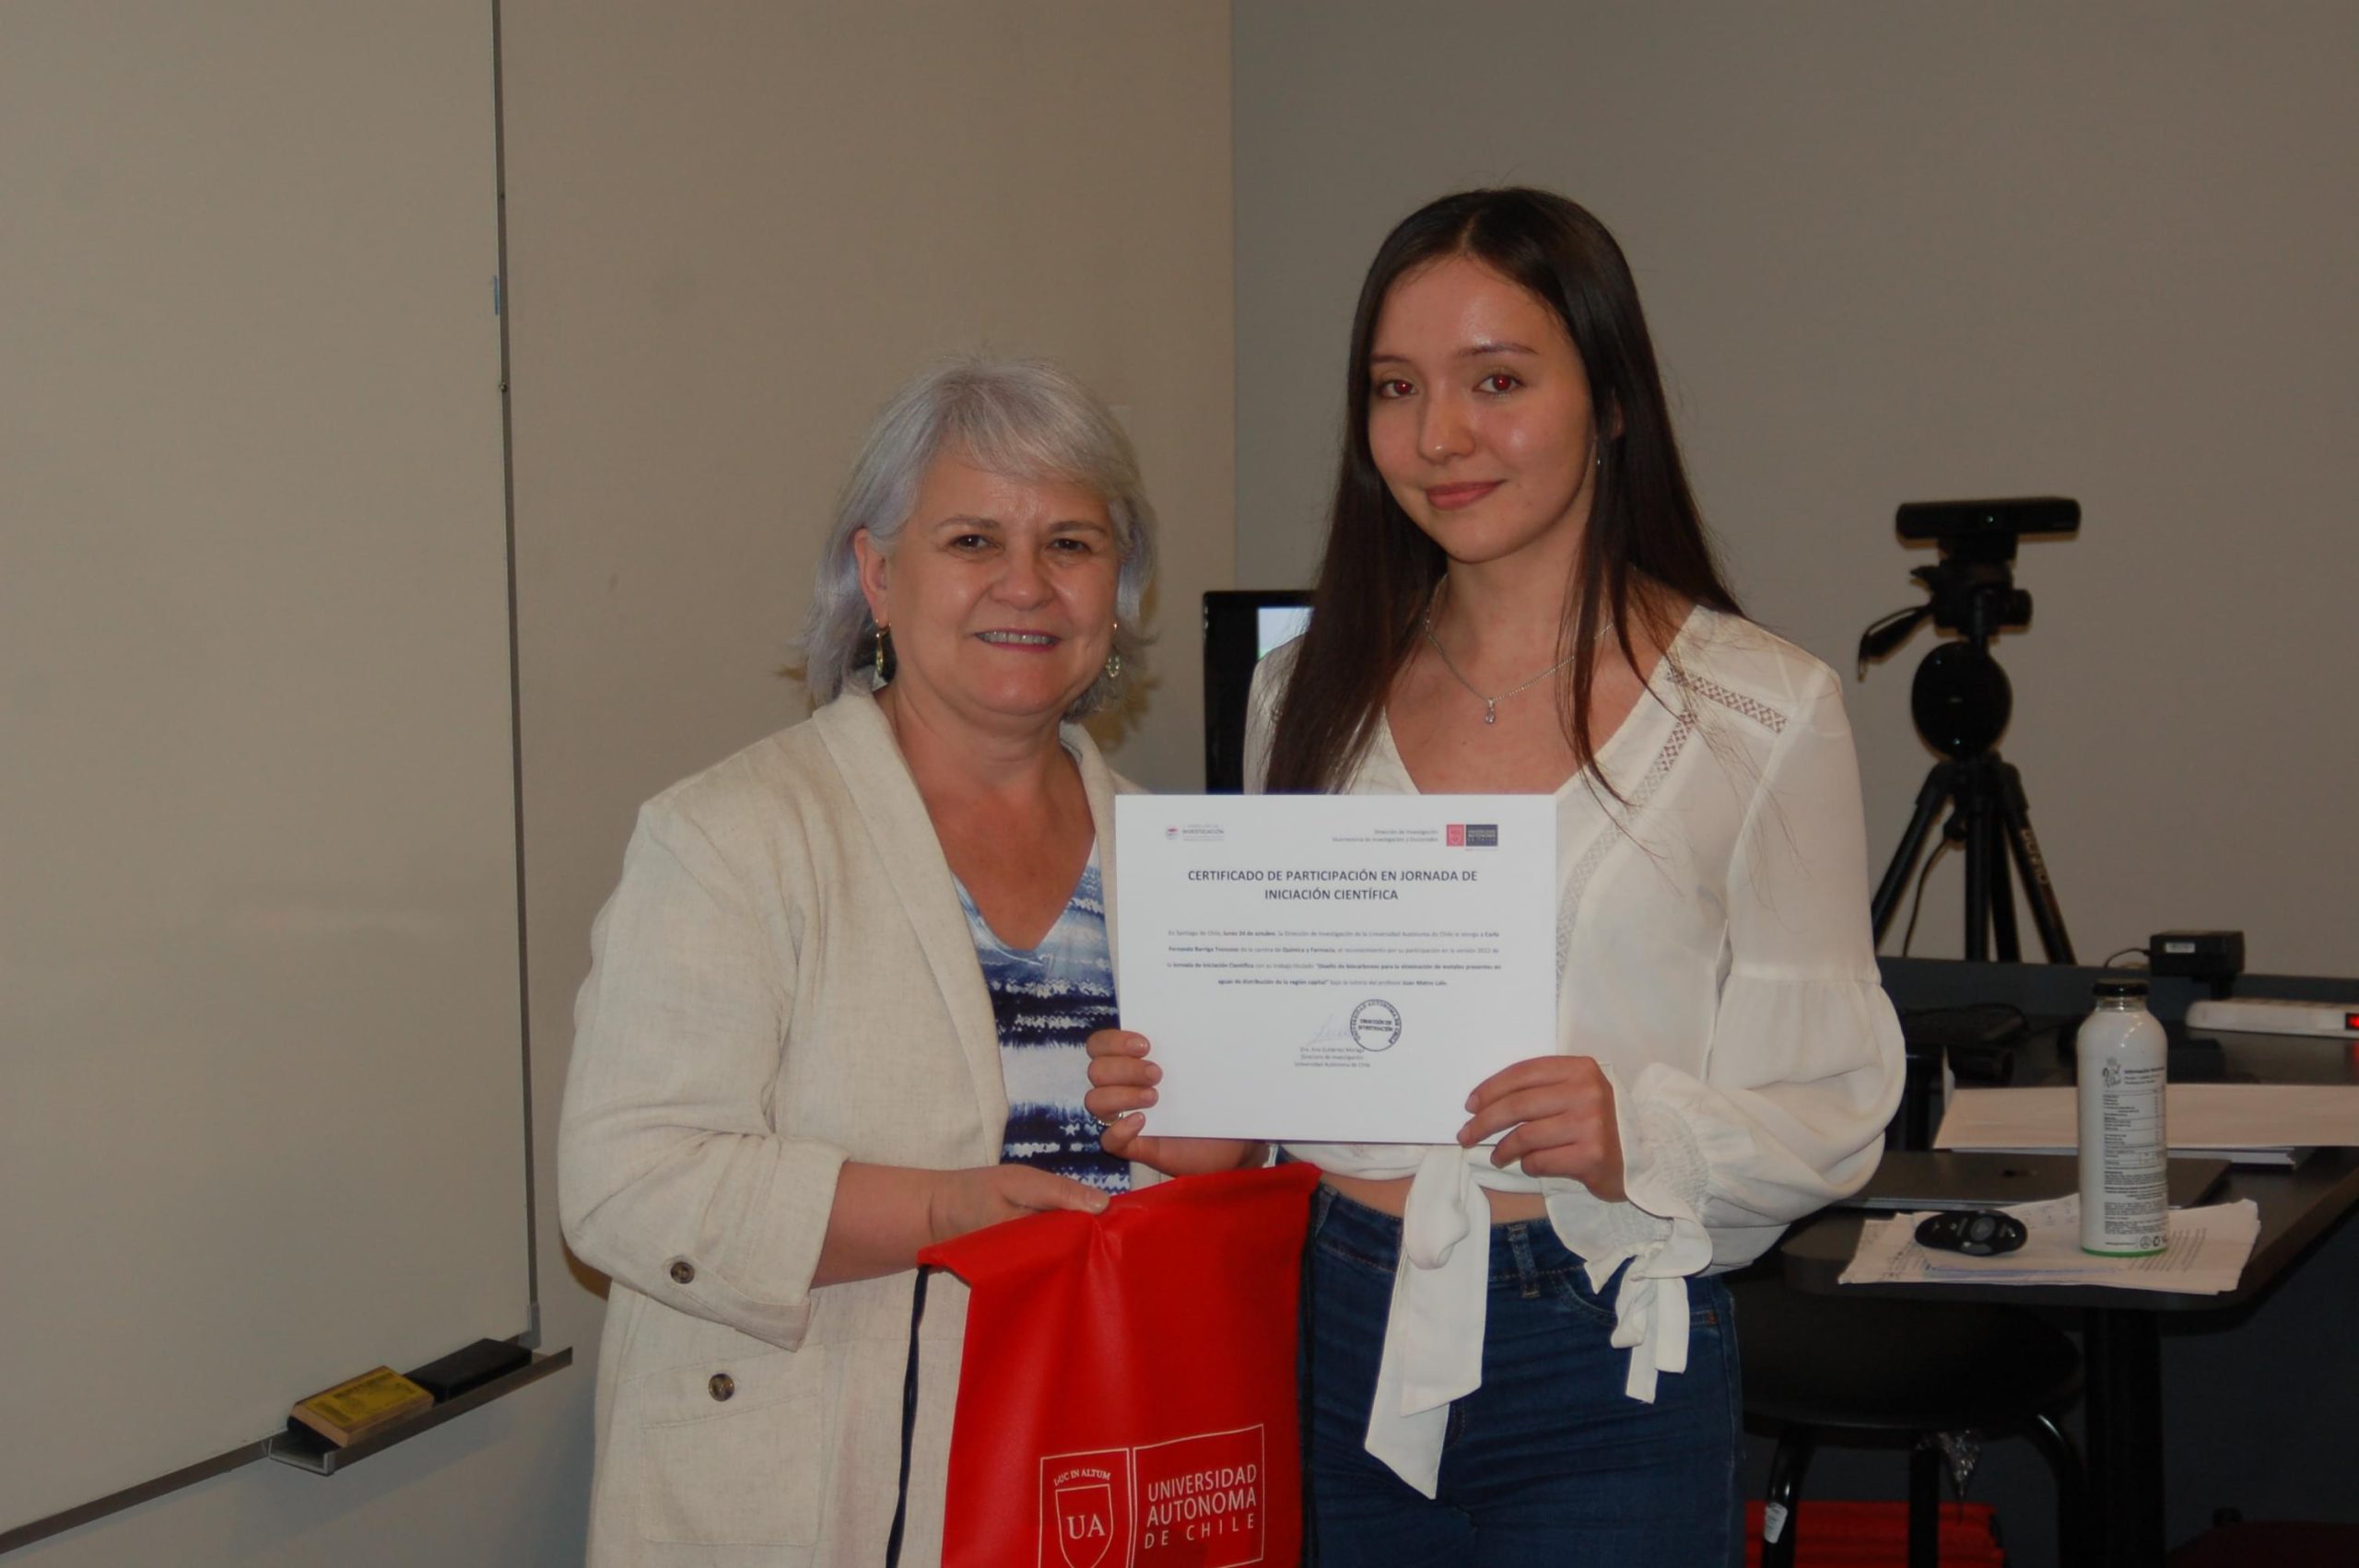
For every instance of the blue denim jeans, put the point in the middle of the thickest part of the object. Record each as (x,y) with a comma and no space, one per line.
(1549,1462)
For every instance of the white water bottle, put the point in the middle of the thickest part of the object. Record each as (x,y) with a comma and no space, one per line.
(2125,1152)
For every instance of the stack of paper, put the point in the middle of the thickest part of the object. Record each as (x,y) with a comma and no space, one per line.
(2206,1255)
(2247,1124)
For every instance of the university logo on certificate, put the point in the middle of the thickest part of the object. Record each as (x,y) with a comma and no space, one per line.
(1333,968)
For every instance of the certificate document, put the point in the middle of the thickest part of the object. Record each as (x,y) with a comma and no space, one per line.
(1333,968)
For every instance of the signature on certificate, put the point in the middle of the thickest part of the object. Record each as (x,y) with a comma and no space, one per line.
(1372,1026)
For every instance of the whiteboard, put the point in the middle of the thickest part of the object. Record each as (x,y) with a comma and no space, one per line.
(262,1100)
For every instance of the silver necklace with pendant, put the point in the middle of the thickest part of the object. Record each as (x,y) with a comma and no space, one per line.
(1490,703)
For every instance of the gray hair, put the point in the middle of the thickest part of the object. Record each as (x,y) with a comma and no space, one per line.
(1019,418)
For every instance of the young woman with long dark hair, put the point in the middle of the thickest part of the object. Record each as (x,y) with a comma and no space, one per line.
(1517,595)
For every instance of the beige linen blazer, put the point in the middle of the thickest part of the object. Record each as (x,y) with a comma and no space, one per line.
(783,981)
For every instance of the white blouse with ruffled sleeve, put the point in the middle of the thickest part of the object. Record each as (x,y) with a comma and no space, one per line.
(1713,955)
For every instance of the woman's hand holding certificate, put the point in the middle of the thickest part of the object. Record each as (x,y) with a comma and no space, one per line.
(1561,1110)
(1121,1086)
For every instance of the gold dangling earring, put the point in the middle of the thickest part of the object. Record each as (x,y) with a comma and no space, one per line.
(884,646)
(1114,660)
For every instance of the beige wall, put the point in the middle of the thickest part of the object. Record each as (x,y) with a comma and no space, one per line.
(1914,253)
(733,229)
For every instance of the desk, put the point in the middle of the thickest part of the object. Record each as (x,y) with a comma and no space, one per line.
(2122,1346)
(2122,1343)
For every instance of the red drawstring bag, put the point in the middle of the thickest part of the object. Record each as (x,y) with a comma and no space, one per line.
(1126,1397)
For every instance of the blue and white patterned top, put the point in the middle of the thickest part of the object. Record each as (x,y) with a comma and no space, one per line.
(1049,1001)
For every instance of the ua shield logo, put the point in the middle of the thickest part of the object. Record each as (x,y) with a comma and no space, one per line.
(1085,1523)
(1086,1509)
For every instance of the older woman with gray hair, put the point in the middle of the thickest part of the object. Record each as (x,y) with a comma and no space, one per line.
(838,1003)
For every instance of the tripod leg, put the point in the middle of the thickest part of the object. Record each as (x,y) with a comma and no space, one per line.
(1912,844)
(2009,945)
(1975,808)
(2047,914)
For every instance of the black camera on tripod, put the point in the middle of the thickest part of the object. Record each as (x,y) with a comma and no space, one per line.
(1961,702)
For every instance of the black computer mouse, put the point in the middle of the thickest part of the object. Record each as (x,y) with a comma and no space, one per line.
(1977,1233)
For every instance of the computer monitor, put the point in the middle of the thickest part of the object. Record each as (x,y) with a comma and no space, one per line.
(1240,625)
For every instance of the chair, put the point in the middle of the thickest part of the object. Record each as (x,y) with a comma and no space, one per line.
(1879,1371)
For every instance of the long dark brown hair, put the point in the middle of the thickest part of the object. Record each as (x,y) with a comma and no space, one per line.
(1644,546)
